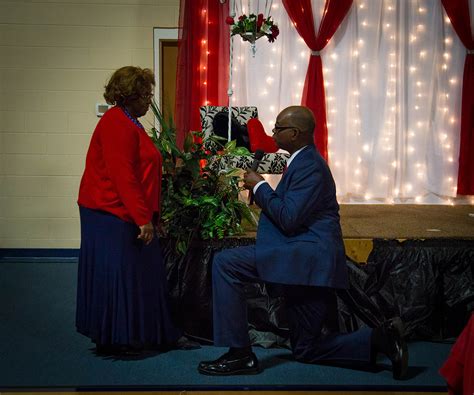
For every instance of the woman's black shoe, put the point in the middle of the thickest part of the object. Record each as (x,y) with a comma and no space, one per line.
(184,343)
(117,350)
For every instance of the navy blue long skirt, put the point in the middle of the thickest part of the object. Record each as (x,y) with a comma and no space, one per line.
(121,292)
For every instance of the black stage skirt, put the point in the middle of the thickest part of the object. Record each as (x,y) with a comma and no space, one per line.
(122,296)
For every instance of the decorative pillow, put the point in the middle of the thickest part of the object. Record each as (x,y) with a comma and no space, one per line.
(239,133)
(258,138)
(242,114)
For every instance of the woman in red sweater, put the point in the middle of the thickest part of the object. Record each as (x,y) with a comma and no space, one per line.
(121,295)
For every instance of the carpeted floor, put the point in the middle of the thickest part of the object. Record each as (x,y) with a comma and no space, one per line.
(39,348)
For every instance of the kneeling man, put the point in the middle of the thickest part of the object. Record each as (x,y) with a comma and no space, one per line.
(299,245)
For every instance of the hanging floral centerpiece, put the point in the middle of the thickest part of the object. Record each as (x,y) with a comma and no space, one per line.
(253,27)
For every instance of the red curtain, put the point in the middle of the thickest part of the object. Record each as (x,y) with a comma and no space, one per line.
(301,14)
(203,62)
(458,13)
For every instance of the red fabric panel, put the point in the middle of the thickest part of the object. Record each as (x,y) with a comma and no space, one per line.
(458,13)
(258,138)
(466,152)
(314,97)
(301,14)
(203,62)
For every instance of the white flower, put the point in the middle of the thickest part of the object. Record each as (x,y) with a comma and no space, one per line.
(266,29)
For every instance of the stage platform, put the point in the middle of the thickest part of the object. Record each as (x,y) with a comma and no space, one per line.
(403,221)
(361,224)
(406,221)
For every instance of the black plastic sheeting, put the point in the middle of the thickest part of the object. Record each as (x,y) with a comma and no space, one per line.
(428,283)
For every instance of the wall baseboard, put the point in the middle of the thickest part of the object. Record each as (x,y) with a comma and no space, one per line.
(39,254)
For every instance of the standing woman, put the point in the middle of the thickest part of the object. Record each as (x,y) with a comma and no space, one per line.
(121,295)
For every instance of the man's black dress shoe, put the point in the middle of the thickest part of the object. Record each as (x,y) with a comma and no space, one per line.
(394,346)
(228,365)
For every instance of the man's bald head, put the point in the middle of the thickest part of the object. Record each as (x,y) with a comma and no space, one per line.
(294,128)
(299,117)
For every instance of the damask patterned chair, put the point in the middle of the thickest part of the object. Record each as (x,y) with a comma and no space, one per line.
(272,163)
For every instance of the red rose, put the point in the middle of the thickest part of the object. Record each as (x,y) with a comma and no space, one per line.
(197,139)
(260,20)
(242,17)
(274,33)
(229,20)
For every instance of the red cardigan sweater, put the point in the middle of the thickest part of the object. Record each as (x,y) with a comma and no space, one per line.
(123,170)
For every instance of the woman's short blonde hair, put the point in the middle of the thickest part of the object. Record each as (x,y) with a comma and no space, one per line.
(128,81)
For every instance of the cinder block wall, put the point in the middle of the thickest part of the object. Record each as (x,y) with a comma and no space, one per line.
(55,57)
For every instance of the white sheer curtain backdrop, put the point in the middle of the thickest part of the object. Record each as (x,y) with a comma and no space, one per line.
(393,75)
(274,78)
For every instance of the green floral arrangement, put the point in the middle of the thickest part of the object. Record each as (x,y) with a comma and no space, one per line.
(198,201)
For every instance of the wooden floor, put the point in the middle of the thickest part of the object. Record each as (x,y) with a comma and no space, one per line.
(361,223)
(403,221)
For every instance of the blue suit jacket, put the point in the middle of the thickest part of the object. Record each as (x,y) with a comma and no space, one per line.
(299,239)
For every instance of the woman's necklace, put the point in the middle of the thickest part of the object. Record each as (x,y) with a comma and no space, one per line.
(133,119)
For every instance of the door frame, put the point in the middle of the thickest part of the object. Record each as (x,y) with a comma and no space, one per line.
(160,34)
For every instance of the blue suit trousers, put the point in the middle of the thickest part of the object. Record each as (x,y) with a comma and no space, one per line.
(307,309)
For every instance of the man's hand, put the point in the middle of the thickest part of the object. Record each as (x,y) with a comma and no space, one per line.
(251,178)
(146,233)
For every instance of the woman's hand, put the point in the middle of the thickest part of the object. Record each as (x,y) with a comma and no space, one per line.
(146,233)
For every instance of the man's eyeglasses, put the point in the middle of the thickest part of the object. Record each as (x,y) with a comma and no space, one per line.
(278,129)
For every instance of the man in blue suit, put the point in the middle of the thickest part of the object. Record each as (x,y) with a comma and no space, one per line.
(299,246)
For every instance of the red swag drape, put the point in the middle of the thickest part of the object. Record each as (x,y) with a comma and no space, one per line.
(301,14)
(203,62)
(458,13)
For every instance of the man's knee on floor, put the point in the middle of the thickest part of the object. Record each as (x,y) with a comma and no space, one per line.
(302,353)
